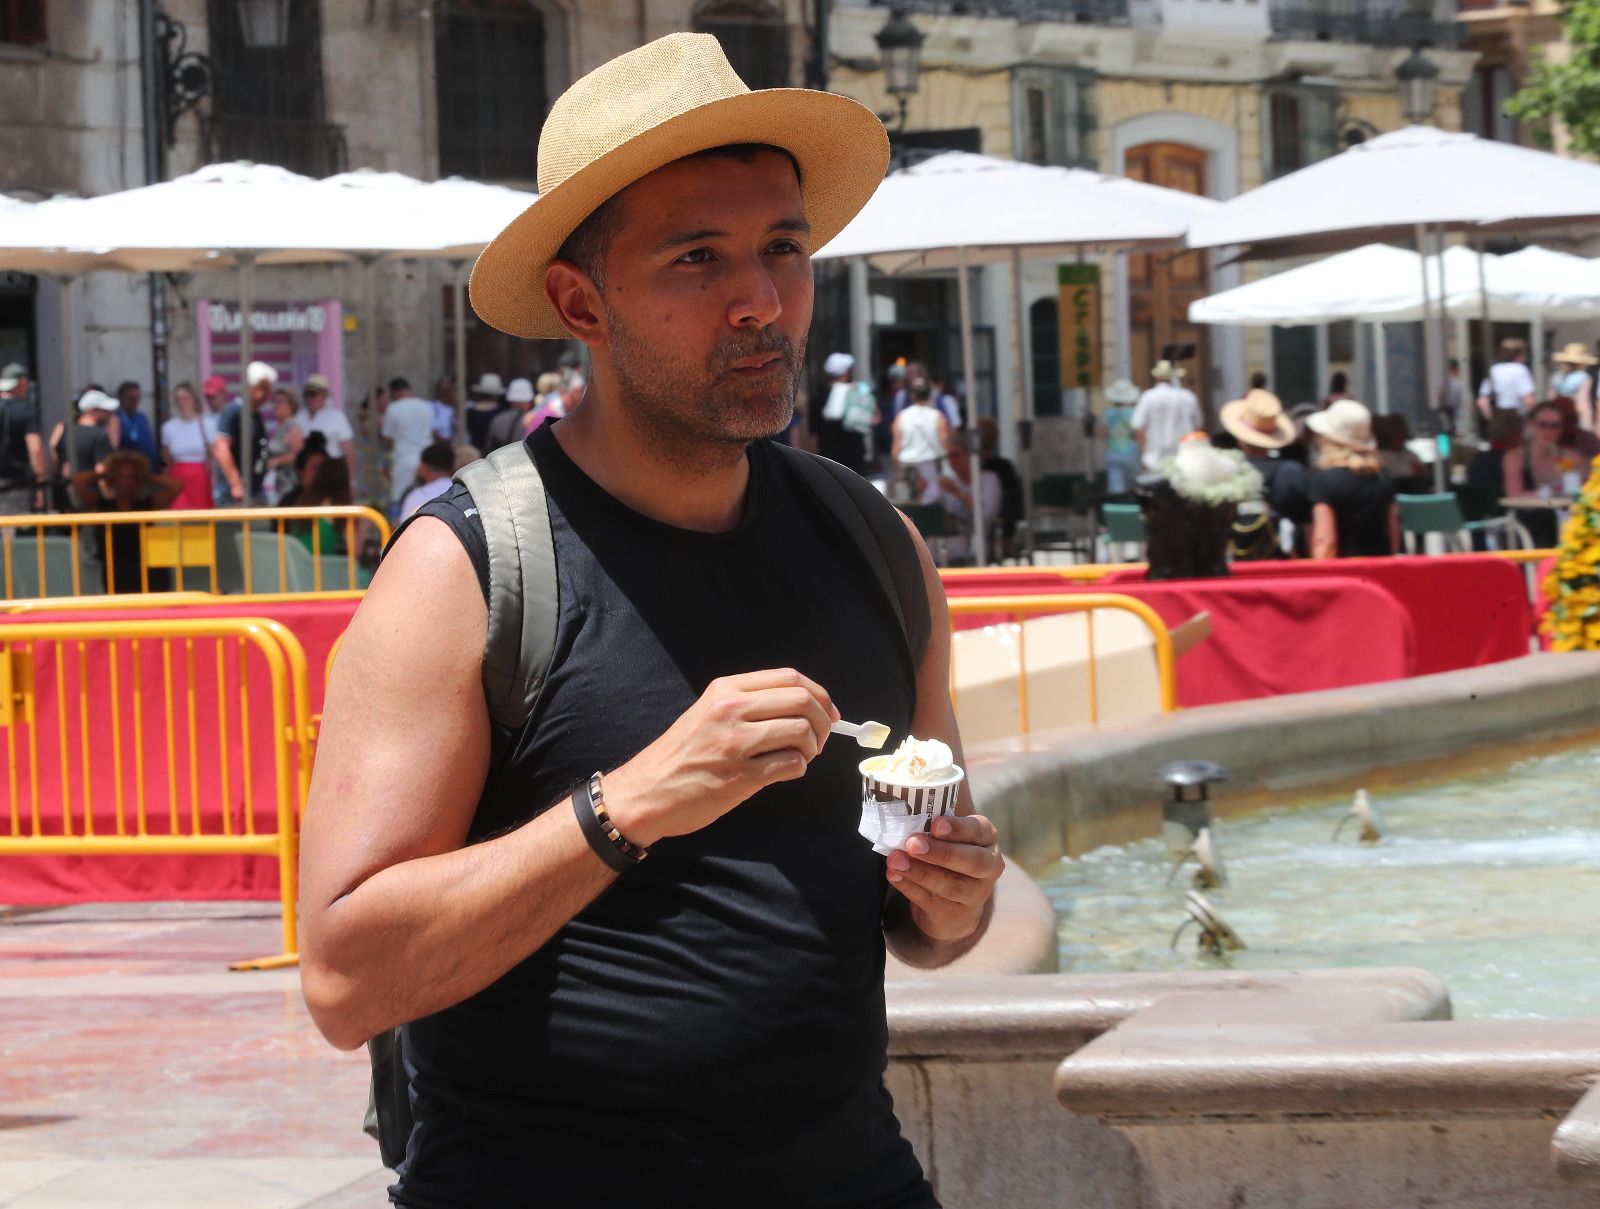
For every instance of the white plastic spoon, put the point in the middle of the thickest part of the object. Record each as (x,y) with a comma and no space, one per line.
(867,734)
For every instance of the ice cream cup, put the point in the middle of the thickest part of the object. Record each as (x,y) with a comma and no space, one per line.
(892,812)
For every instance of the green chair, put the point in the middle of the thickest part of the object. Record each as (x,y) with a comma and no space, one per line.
(1123,524)
(1441,513)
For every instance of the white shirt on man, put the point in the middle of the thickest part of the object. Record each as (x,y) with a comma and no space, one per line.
(1166,413)
(1508,384)
(408,422)
(421,494)
(332,423)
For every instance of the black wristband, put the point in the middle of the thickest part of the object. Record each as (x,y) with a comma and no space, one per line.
(607,842)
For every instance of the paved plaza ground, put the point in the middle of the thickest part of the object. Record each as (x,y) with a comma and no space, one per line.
(136,1070)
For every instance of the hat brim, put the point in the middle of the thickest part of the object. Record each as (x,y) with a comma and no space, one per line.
(1232,418)
(1575,359)
(840,145)
(10,383)
(1319,425)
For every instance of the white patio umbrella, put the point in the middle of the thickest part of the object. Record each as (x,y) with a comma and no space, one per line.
(452,220)
(959,209)
(1410,184)
(242,215)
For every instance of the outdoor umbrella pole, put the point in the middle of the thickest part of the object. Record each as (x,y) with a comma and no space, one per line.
(69,421)
(458,266)
(1380,359)
(369,268)
(1430,349)
(1487,331)
(247,417)
(1024,395)
(970,410)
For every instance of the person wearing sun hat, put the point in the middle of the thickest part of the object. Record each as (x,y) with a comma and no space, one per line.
(1116,429)
(1353,509)
(581,1026)
(1164,415)
(1263,429)
(1575,381)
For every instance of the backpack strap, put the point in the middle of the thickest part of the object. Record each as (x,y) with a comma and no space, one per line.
(523,601)
(877,530)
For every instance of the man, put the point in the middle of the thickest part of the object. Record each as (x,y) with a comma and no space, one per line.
(444,409)
(408,430)
(511,424)
(1164,415)
(23,470)
(1263,430)
(485,401)
(434,471)
(259,379)
(1510,385)
(330,421)
(708,1028)
(138,433)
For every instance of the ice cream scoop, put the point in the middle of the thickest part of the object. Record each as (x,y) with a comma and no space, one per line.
(914,762)
(867,734)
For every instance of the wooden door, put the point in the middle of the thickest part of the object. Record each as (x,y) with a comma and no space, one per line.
(1161,285)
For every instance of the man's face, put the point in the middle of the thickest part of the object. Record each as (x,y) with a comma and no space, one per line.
(314,400)
(259,392)
(708,298)
(216,399)
(130,398)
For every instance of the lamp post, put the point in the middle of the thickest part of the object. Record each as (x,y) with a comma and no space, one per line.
(900,44)
(1419,86)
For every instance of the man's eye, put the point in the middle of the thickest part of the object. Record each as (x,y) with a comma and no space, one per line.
(695,256)
(786,247)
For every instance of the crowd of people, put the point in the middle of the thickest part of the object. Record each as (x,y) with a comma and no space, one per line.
(306,452)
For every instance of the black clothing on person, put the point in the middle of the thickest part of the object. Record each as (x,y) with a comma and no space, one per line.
(478,421)
(19,419)
(1361,504)
(710,1031)
(123,571)
(229,424)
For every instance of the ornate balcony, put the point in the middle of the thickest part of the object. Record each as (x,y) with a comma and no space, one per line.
(1080,12)
(1369,24)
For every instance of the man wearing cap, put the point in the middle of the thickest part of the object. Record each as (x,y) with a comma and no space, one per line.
(259,378)
(706,1027)
(512,424)
(330,421)
(138,433)
(848,414)
(1164,415)
(22,463)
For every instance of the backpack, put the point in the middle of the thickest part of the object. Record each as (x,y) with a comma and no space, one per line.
(523,611)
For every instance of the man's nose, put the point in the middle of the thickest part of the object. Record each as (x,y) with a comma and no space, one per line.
(756,302)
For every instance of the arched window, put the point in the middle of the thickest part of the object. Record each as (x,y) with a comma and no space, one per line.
(754,37)
(1044,325)
(492,62)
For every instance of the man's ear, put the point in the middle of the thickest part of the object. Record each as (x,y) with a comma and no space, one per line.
(577,301)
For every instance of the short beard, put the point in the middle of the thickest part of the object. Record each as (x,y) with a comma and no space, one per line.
(699,418)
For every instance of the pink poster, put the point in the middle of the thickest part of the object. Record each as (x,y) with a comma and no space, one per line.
(297,339)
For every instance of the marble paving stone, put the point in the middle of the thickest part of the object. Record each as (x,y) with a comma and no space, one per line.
(136,1070)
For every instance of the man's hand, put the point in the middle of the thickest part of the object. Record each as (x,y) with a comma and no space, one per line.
(949,878)
(745,733)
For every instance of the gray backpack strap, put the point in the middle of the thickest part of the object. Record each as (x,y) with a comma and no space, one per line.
(523,603)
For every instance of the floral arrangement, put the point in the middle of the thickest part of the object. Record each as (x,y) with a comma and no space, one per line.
(1573,587)
(1201,473)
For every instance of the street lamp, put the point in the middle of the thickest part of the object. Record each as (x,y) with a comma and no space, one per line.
(900,44)
(264,24)
(1419,86)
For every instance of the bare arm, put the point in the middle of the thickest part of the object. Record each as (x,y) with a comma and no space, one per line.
(400,917)
(943,888)
(164,489)
(1511,472)
(1324,532)
(36,458)
(86,486)
(223,452)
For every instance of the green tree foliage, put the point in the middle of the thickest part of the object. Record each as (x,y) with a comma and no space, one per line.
(1568,93)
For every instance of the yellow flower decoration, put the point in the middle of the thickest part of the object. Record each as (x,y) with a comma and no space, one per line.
(1572,621)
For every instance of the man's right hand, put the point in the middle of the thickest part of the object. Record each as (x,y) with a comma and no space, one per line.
(744,733)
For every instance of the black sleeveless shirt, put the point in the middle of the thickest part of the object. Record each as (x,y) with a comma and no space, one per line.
(710,1031)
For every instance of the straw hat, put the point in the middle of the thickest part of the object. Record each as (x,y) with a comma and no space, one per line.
(1166,370)
(1122,392)
(1346,423)
(1258,419)
(1575,354)
(643,110)
(318,384)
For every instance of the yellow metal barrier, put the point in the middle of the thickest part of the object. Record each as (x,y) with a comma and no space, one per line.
(1018,608)
(61,677)
(237,551)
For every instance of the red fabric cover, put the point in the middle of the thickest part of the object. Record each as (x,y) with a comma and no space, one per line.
(1267,638)
(65,879)
(1465,612)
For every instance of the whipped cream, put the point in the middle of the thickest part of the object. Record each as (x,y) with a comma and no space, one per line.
(914,762)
